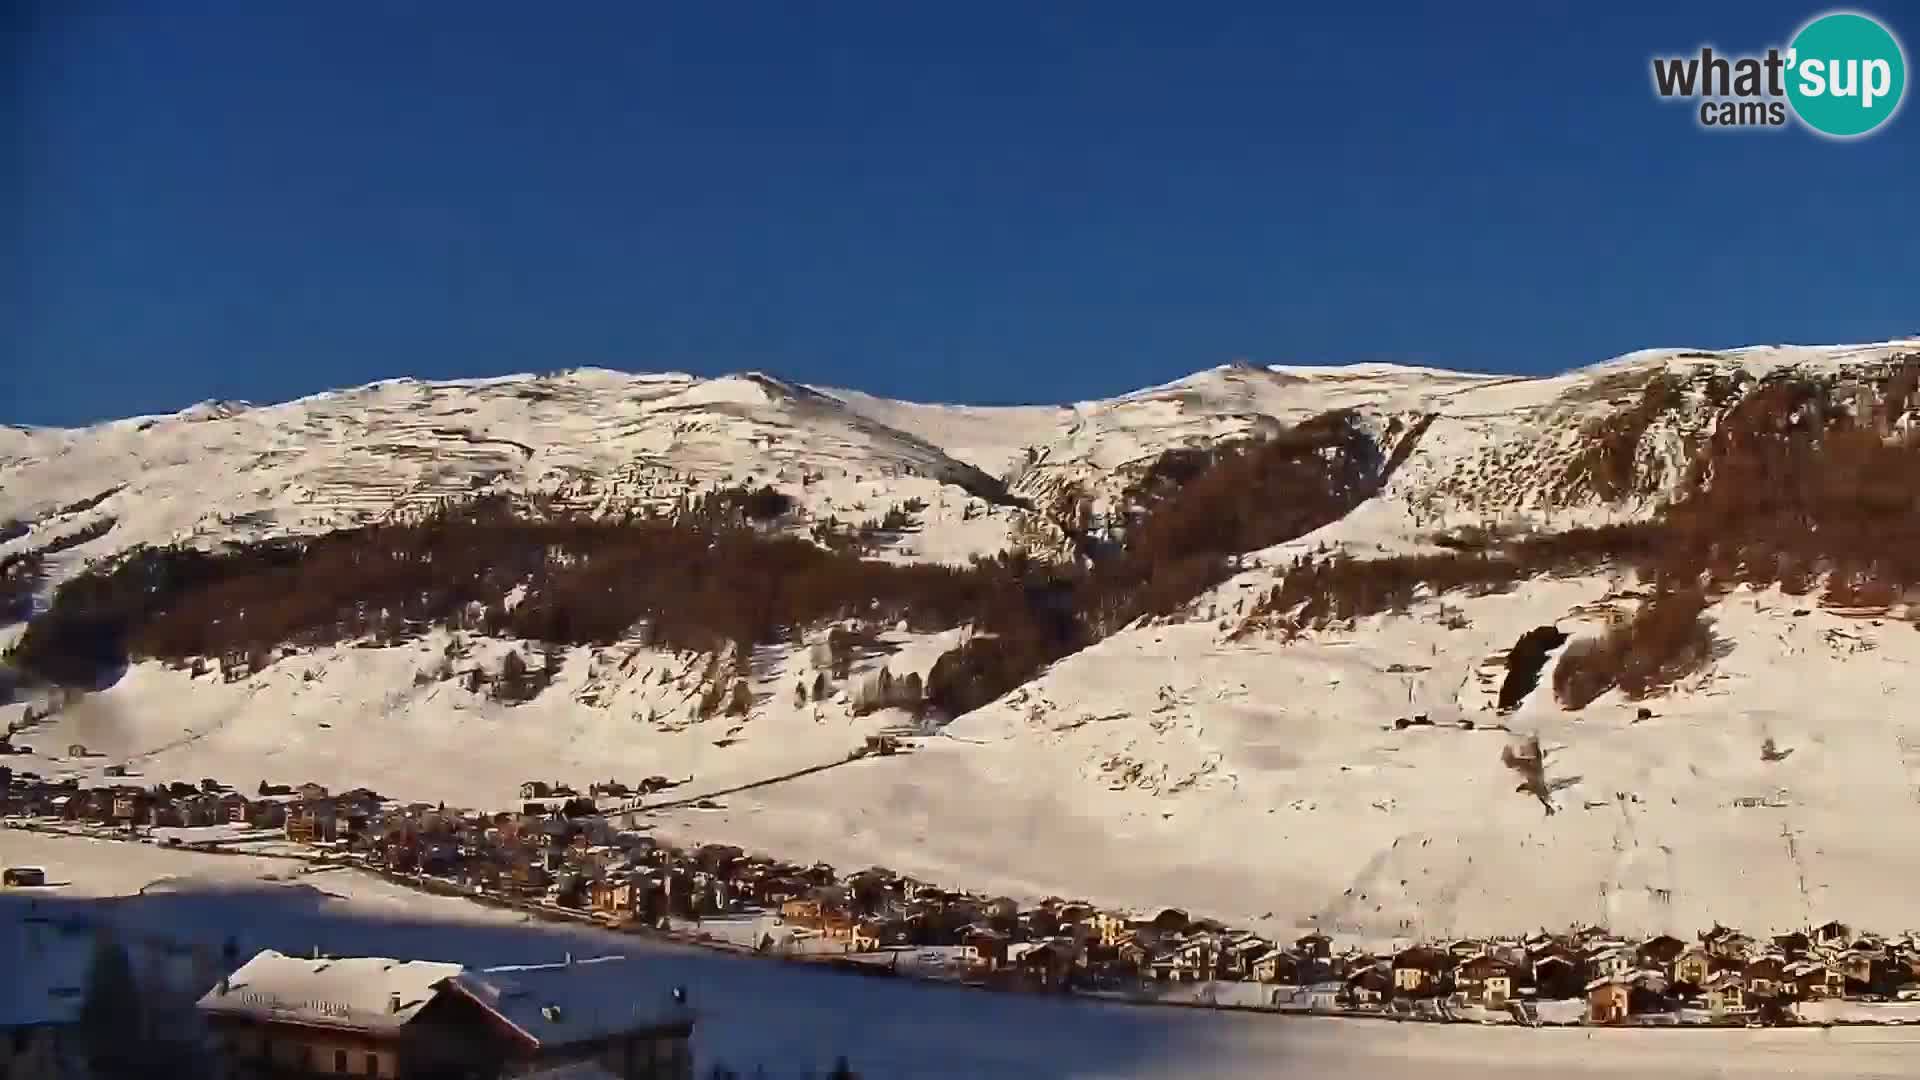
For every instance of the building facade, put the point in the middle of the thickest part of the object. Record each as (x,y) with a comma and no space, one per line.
(281,1017)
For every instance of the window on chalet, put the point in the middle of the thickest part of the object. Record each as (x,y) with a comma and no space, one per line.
(340,1061)
(373,1064)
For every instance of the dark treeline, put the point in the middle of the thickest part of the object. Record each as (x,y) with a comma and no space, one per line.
(1524,662)
(1191,515)
(20,578)
(22,572)
(708,576)
(1798,487)
(698,581)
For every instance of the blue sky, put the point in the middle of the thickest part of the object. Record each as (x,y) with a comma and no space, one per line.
(956,202)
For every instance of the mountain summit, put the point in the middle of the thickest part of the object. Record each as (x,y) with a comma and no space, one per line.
(1373,648)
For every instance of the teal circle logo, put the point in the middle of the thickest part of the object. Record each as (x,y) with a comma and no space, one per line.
(1846,74)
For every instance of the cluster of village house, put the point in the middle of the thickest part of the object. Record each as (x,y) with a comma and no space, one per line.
(556,848)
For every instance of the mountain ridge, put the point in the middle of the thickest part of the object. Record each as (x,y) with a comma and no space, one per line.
(1233,697)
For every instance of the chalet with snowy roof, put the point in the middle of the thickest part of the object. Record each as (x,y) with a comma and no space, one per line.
(1793,945)
(205,810)
(1037,922)
(1046,964)
(988,944)
(131,806)
(1611,960)
(802,911)
(1369,984)
(264,813)
(284,1016)
(1872,971)
(1727,943)
(1694,966)
(1276,966)
(1417,972)
(1726,994)
(1611,999)
(870,935)
(280,1015)
(1487,980)
(1238,952)
(314,822)
(1815,979)
(1314,946)
(1190,959)
(1134,955)
(1834,934)
(837,926)
(1659,952)
(619,895)
(1765,977)
(576,1012)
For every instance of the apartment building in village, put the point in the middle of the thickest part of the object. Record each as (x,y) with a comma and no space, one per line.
(282,1016)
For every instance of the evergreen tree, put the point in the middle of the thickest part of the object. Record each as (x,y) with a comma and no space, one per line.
(515,684)
(111,1024)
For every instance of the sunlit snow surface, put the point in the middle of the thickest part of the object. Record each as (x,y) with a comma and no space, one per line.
(1244,778)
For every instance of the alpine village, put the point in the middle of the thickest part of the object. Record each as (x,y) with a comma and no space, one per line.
(561,855)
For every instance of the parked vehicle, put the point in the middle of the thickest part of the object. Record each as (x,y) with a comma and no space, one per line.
(23,875)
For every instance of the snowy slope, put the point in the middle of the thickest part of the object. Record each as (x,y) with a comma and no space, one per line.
(1238,775)
(606,440)
(1274,788)
(596,439)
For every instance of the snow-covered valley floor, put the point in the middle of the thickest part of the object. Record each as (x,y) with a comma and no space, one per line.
(1270,787)
(755,1012)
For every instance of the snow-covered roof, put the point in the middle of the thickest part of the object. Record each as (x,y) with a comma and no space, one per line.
(1721,979)
(369,993)
(573,1001)
(1021,948)
(47,965)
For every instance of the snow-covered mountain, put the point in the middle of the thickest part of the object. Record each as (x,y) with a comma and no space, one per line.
(1210,761)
